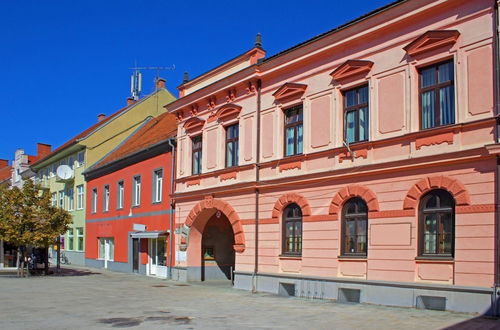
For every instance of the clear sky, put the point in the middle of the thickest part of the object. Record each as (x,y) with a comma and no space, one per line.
(64,62)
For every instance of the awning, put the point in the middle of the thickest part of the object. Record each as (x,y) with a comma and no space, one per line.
(149,234)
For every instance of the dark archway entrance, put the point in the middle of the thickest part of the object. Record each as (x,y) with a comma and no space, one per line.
(217,251)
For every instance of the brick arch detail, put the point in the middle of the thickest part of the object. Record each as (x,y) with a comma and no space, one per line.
(290,198)
(228,211)
(353,191)
(453,186)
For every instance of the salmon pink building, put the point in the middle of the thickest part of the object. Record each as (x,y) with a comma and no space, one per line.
(128,212)
(360,165)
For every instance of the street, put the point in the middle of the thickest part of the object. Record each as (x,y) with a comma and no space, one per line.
(84,298)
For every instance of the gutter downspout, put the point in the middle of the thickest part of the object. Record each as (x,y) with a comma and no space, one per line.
(257,192)
(171,221)
(496,96)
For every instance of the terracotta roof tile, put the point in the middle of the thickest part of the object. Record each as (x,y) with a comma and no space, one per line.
(5,173)
(152,132)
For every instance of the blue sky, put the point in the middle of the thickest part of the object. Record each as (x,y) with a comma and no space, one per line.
(64,62)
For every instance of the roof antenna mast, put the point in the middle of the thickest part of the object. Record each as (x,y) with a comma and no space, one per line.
(136,78)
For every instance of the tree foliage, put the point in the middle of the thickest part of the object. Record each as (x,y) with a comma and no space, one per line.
(27,217)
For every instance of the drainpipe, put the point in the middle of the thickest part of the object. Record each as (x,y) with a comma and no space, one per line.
(257,179)
(171,221)
(496,86)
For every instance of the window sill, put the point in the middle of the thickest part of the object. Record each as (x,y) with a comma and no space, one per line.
(156,203)
(352,258)
(289,257)
(432,259)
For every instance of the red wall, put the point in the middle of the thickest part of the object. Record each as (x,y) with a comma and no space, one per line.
(119,228)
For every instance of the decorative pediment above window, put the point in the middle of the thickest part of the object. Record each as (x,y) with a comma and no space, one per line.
(290,90)
(431,40)
(227,112)
(351,68)
(193,124)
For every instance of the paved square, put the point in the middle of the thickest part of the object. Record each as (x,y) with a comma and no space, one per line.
(95,299)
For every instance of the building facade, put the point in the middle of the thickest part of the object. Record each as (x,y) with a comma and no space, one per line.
(128,205)
(83,151)
(360,165)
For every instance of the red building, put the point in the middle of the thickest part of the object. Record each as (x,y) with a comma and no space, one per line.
(128,207)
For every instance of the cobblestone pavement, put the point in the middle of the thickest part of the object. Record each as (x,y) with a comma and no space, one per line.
(83,298)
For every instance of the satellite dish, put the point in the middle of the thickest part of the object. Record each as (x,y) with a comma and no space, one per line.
(64,172)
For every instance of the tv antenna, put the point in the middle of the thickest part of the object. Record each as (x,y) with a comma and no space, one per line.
(136,78)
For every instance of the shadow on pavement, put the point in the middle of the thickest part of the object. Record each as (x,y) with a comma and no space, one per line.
(72,272)
(480,322)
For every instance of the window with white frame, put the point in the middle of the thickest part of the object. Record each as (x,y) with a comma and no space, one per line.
(79,197)
(105,206)
(157,185)
(71,199)
(71,162)
(61,199)
(94,200)
(81,158)
(136,191)
(120,194)
(71,240)
(53,169)
(79,238)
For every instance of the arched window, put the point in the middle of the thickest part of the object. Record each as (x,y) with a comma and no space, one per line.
(354,227)
(292,230)
(437,224)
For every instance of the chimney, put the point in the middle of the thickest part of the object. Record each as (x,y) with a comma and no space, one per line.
(43,149)
(258,41)
(160,83)
(130,100)
(186,78)
(100,117)
(4,163)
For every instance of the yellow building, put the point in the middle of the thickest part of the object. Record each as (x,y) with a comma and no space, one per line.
(83,151)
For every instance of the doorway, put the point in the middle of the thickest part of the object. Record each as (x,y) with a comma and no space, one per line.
(157,257)
(217,252)
(135,255)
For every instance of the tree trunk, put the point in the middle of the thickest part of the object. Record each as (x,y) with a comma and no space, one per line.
(18,261)
(46,261)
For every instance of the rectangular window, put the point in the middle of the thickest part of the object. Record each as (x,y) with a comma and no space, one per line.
(105,206)
(71,162)
(120,194)
(437,95)
(106,248)
(61,199)
(356,114)
(70,239)
(136,191)
(157,185)
(79,197)
(53,169)
(94,200)
(54,199)
(293,131)
(71,199)
(232,135)
(196,153)
(79,238)
(81,158)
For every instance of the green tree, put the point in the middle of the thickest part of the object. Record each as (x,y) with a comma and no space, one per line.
(27,218)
